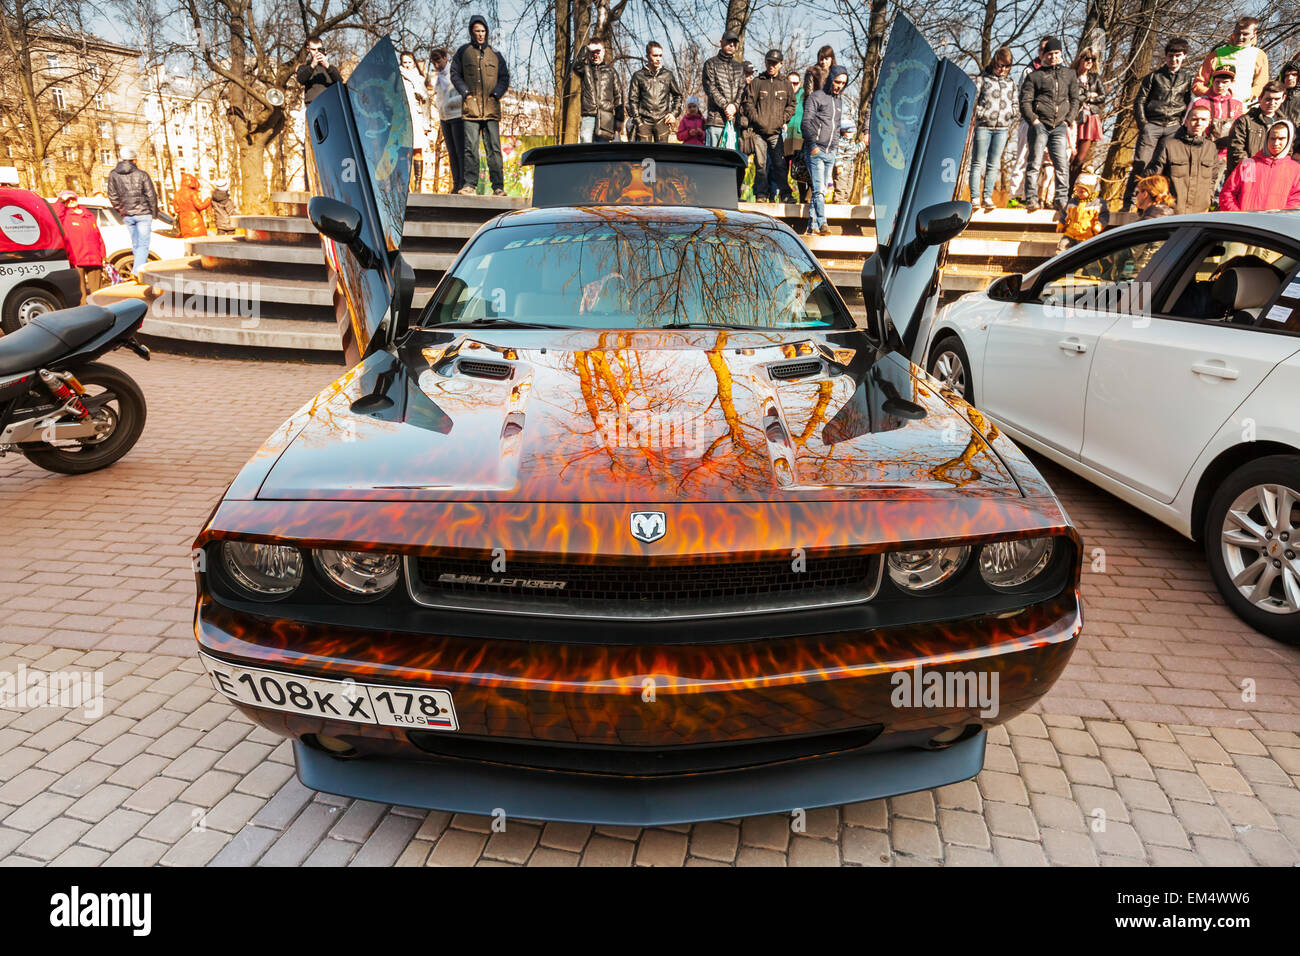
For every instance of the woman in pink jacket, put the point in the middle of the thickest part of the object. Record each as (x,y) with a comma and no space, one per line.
(1268,180)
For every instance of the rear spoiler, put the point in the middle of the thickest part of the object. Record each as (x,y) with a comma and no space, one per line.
(643,174)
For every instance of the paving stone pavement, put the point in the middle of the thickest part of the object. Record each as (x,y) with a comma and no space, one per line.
(1172,738)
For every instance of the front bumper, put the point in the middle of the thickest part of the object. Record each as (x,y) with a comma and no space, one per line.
(618,706)
(639,801)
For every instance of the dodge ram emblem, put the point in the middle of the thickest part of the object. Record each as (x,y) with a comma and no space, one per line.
(648,525)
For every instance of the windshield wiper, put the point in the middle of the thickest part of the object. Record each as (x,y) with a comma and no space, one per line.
(716,325)
(490,323)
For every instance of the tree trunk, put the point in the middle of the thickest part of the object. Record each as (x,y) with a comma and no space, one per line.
(252,176)
(737,19)
(1119,157)
(870,73)
(986,32)
(563,57)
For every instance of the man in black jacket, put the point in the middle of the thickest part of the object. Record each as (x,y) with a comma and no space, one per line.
(769,104)
(723,77)
(1050,99)
(131,193)
(481,77)
(653,98)
(316,74)
(602,95)
(1159,107)
(1249,131)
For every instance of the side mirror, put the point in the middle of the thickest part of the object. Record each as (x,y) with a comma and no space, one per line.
(935,225)
(943,221)
(340,222)
(1006,288)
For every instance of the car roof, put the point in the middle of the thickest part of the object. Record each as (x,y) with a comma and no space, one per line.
(598,214)
(1282,221)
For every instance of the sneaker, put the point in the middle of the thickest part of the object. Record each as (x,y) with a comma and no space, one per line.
(989,207)
(498,192)
(1032,206)
(467,191)
(824,231)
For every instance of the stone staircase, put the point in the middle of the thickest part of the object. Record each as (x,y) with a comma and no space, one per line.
(267,293)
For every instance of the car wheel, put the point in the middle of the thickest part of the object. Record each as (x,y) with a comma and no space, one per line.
(1252,542)
(25,305)
(950,365)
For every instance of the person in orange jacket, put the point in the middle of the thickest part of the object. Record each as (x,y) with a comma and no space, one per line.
(189,208)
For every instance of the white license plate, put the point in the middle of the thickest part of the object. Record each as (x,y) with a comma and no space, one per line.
(387,705)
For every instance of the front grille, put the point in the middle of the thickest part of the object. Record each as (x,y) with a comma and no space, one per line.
(641,591)
(641,761)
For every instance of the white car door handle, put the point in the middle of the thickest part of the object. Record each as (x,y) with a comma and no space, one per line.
(1072,345)
(1218,371)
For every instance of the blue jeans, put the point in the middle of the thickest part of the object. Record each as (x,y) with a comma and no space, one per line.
(986,162)
(820,168)
(1057,141)
(140,228)
(587,131)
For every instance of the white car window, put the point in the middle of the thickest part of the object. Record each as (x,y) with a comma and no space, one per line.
(1115,265)
(1227,280)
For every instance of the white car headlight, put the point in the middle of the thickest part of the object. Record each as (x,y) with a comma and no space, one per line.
(264,571)
(359,574)
(924,569)
(1009,564)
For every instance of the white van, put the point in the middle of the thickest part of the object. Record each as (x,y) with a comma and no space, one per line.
(35,276)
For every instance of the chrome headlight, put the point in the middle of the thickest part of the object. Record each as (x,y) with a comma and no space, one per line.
(1009,564)
(361,575)
(924,569)
(264,571)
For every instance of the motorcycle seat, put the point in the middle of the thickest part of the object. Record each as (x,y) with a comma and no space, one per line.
(51,336)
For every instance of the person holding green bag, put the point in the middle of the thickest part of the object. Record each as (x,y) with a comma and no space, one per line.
(724,86)
(794,138)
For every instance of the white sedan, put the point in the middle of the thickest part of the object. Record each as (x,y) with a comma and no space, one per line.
(1161,361)
(163,244)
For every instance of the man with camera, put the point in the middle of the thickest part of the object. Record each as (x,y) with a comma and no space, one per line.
(316,74)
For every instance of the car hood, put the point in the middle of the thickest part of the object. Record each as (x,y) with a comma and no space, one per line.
(632,416)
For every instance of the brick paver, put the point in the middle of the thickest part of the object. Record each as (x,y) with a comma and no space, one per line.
(1145,752)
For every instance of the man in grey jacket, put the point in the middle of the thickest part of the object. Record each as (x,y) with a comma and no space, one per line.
(132,194)
(1050,99)
(823,112)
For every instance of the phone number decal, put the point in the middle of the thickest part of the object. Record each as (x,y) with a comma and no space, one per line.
(32,270)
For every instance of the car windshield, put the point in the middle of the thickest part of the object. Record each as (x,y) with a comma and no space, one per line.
(625,272)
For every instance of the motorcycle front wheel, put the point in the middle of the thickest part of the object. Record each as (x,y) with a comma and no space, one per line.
(112,393)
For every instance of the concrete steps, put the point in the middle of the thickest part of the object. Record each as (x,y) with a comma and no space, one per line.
(267,293)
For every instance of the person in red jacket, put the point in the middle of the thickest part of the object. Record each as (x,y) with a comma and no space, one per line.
(85,244)
(189,208)
(1268,180)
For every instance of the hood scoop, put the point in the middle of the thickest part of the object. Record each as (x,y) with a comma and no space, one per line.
(477,368)
(801,369)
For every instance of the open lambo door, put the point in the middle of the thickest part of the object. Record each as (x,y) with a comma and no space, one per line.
(360,136)
(921,115)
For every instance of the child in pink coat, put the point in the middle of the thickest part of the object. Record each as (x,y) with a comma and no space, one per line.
(691,128)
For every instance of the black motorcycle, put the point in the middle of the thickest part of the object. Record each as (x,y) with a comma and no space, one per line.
(58,406)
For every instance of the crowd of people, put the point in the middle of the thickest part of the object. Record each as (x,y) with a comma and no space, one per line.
(1218,134)
(792,127)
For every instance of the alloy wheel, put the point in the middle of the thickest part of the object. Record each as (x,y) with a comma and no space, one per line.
(1261,547)
(950,370)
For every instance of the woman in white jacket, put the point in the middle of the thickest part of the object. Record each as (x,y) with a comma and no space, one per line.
(417,98)
(446,103)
